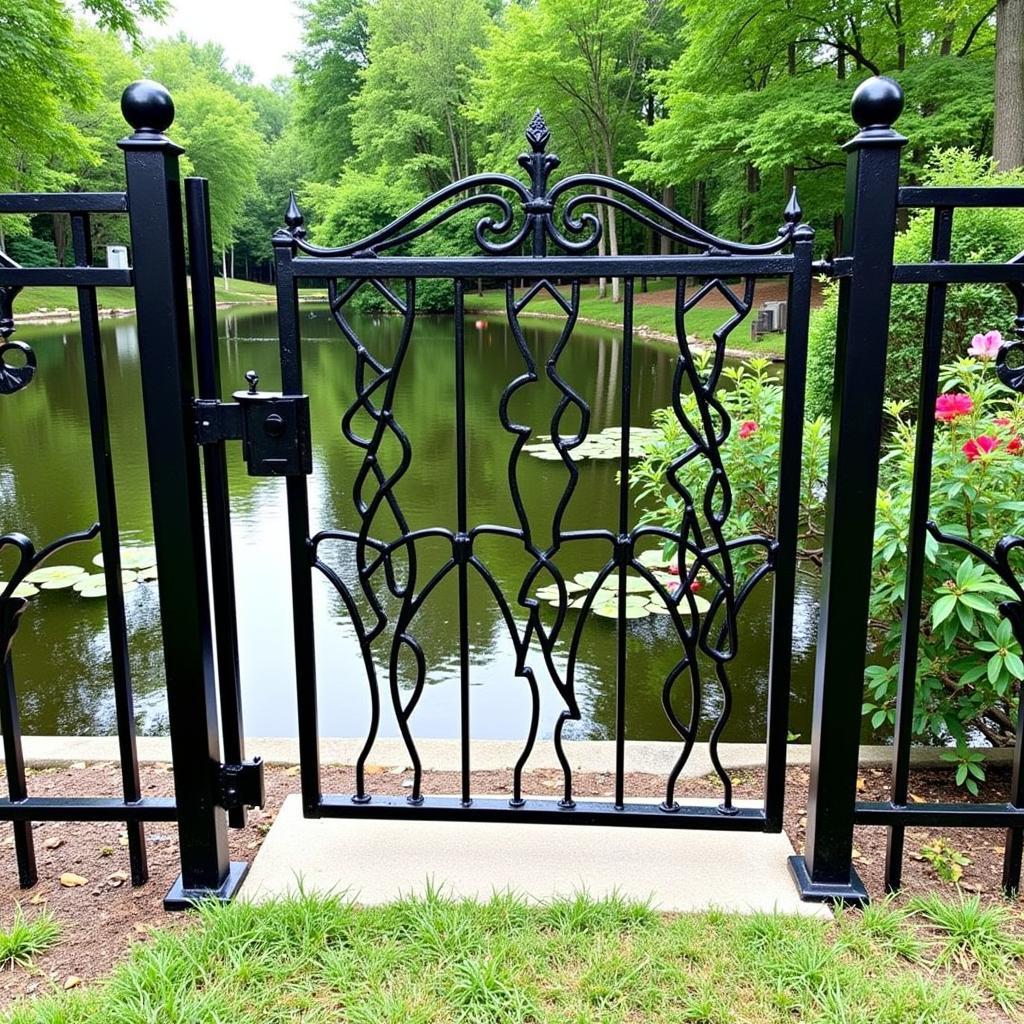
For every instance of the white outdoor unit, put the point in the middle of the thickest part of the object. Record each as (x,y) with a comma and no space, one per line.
(117,257)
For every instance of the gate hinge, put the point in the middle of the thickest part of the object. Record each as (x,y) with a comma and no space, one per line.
(241,785)
(273,428)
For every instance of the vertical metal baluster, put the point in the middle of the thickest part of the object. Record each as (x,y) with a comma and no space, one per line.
(787,529)
(215,474)
(461,551)
(1013,845)
(110,542)
(14,758)
(826,872)
(298,528)
(935,310)
(622,631)
(165,356)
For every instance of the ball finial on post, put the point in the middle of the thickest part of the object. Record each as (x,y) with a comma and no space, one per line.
(877,102)
(147,106)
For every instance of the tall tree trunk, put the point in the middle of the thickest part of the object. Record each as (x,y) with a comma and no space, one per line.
(1008,134)
(602,250)
(224,266)
(668,198)
(699,203)
(232,262)
(613,226)
(60,237)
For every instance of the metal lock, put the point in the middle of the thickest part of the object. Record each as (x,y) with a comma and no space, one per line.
(275,431)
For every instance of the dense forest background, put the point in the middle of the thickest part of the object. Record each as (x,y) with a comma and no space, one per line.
(716,108)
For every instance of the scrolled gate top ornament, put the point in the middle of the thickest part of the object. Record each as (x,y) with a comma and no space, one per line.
(12,378)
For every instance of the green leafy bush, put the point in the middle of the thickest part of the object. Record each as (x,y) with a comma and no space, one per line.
(979,235)
(970,665)
(753,399)
(30,251)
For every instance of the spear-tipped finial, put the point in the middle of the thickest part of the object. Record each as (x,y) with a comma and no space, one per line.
(293,218)
(537,132)
(792,214)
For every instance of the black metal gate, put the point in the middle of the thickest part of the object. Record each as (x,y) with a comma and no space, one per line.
(274,428)
(534,238)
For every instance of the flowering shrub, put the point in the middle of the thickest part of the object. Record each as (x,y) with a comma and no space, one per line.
(752,397)
(970,666)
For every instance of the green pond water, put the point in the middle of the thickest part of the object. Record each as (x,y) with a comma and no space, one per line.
(61,653)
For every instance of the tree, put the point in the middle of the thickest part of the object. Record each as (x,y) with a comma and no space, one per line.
(585,62)
(781,74)
(412,111)
(335,47)
(1008,133)
(222,144)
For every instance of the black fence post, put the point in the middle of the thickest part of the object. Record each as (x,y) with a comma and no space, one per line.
(826,872)
(158,260)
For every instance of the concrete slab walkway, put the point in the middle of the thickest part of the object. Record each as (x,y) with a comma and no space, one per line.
(377,861)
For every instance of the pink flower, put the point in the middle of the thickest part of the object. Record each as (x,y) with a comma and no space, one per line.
(1014,445)
(985,346)
(695,586)
(1002,421)
(949,407)
(748,427)
(979,446)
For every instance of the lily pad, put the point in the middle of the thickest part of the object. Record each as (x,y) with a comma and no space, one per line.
(605,444)
(21,590)
(652,559)
(99,579)
(49,573)
(550,592)
(132,558)
(610,610)
(702,605)
(148,575)
(63,582)
(101,589)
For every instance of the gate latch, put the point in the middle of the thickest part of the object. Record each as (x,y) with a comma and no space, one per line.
(241,785)
(273,428)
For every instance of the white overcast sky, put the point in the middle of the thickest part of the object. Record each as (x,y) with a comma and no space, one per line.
(260,33)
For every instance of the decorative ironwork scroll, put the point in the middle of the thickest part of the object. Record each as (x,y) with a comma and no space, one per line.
(12,378)
(540,219)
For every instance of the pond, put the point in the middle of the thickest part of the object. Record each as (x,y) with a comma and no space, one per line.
(61,653)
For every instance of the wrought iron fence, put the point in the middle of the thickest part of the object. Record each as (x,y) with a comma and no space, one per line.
(536,238)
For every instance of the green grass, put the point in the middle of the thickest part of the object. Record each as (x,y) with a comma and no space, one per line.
(433,960)
(25,939)
(699,321)
(32,300)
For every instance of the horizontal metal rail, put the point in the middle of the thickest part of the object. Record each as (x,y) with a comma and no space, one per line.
(957,273)
(74,277)
(544,812)
(64,202)
(86,808)
(936,815)
(548,267)
(981,195)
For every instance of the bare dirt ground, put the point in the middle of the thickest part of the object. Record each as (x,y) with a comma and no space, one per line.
(102,919)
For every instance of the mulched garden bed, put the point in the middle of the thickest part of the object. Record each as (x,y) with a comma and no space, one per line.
(101,919)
